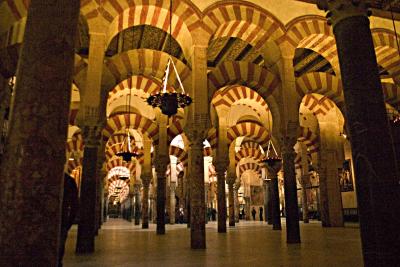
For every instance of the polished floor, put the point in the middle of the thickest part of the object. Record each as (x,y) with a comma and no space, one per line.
(121,243)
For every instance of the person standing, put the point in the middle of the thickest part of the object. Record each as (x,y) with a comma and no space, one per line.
(253,213)
(68,212)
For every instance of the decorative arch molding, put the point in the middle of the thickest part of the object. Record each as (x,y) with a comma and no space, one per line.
(133,121)
(310,139)
(254,153)
(301,27)
(118,162)
(321,83)
(180,153)
(251,130)
(249,166)
(391,93)
(242,20)
(151,64)
(260,79)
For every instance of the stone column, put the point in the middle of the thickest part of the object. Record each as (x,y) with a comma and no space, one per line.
(236,201)
(220,168)
(87,205)
(206,189)
(146,178)
(137,203)
(197,195)
(377,180)
(273,168)
(291,204)
(32,173)
(267,201)
(99,193)
(305,181)
(161,168)
(231,203)
(172,205)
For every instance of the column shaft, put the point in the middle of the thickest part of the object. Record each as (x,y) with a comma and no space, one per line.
(161,198)
(221,200)
(145,206)
(291,205)
(87,205)
(275,211)
(231,205)
(377,180)
(137,204)
(197,204)
(172,204)
(32,173)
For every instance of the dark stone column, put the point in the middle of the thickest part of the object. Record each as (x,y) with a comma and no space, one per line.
(273,168)
(87,204)
(197,194)
(161,168)
(146,178)
(32,173)
(221,197)
(377,180)
(231,203)
(267,202)
(137,203)
(291,204)
(236,201)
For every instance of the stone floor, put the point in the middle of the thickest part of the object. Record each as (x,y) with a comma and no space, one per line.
(121,243)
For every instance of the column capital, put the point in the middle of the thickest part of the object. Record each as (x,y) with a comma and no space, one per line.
(273,169)
(338,10)
(161,163)
(92,135)
(146,178)
(196,133)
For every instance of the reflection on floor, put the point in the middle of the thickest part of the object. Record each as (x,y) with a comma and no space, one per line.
(121,243)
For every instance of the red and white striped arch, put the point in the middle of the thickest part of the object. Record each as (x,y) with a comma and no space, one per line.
(118,162)
(254,153)
(133,121)
(232,94)
(181,154)
(386,52)
(310,139)
(115,178)
(112,151)
(185,18)
(318,106)
(249,166)
(391,92)
(321,83)
(212,138)
(140,82)
(237,72)
(242,20)
(176,128)
(251,130)
(147,62)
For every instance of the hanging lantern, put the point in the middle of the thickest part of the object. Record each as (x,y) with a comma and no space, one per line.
(272,159)
(169,102)
(126,152)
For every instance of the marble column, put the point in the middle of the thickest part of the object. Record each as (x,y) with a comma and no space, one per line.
(99,185)
(161,168)
(131,211)
(32,173)
(236,201)
(146,178)
(377,180)
(221,196)
(267,201)
(273,168)
(206,189)
(137,203)
(172,205)
(197,194)
(231,203)
(87,205)
(291,204)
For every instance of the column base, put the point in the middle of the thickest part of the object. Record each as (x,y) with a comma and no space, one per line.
(232,224)
(145,226)
(293,241)
(276,227)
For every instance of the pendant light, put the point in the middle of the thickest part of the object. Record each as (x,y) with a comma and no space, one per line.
(169,102)
(272,158)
